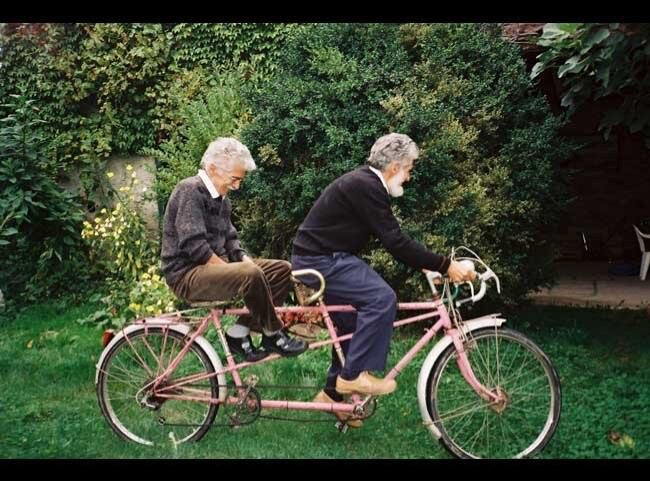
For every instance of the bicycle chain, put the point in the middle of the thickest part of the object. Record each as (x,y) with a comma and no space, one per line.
(250,389)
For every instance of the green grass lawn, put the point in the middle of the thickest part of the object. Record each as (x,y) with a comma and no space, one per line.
(48,407)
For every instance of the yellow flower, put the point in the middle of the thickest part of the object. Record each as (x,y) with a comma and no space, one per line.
(155,278)
(129,167)
(133,175)
(103,211)
(110,175)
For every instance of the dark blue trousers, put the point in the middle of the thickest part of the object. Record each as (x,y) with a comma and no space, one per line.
(349,280)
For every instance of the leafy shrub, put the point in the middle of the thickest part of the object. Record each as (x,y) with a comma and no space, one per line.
(118,238)
(487,176)
(218,112)
(39,220)
(601,61)
(126,252)
(151,295)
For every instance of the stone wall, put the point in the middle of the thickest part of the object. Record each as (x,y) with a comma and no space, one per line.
(144,168)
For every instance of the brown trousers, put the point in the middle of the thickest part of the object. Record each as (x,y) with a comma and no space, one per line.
(263,284)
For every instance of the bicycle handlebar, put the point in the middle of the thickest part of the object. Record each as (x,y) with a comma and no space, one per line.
(433,277)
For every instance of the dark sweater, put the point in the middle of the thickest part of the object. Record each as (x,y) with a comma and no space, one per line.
(195,227)
(350,210)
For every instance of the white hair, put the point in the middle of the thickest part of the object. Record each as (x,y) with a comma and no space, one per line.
(225,153)
(390,148)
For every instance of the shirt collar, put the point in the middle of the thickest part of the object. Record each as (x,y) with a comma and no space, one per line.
(208,184)
(381,177)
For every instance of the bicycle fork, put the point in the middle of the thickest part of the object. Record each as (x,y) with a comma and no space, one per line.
(496,397)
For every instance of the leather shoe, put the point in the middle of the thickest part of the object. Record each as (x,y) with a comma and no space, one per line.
(365,383)
(322,397)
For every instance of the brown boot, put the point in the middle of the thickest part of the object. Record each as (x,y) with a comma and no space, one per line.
(365,383)
(322,397)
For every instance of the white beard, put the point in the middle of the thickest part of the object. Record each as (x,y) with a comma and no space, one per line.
(395,188)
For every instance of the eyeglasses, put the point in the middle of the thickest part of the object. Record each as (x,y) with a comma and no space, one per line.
(225,173)
(234,178)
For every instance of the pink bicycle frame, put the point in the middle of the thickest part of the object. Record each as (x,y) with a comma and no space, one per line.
(436,309)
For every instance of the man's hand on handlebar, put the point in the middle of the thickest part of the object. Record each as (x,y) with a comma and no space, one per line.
(459,272)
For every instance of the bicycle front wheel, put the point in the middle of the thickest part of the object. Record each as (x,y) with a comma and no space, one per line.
(131,407)
(505,362)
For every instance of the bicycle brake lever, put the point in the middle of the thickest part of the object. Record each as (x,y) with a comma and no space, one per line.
(431,278)
(471,286)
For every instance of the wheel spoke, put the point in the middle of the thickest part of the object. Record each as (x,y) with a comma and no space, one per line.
(128,403)
(517,424)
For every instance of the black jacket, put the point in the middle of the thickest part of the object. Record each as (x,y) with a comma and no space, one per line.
(350,210)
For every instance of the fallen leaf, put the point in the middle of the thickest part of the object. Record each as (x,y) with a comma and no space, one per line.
(627,441)
(621,440)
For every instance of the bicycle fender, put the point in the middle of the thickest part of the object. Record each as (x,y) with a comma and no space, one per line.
(173,326)
(490,320)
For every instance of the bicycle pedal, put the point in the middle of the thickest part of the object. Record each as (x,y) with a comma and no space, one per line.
(341,427)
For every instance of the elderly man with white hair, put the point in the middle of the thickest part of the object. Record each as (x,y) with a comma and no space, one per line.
(351,210)
(203,260)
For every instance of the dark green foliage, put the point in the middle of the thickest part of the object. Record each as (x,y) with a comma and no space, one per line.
(487,175)
(602,61)
(39,221)
(107,89)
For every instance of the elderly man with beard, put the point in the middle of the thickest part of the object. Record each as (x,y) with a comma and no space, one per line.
(351,210)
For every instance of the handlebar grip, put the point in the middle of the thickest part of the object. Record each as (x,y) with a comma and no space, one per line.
(489,274)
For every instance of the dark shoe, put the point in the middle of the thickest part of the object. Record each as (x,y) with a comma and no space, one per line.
(244,348)
(283,344)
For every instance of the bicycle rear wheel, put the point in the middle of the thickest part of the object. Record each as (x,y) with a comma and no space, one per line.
(130,406)
(504,361)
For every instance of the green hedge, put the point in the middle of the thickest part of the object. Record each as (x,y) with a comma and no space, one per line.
(102,89)
(487,175)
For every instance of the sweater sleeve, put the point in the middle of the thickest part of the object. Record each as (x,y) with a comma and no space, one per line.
(233,246)
(373,207)
(190,227)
